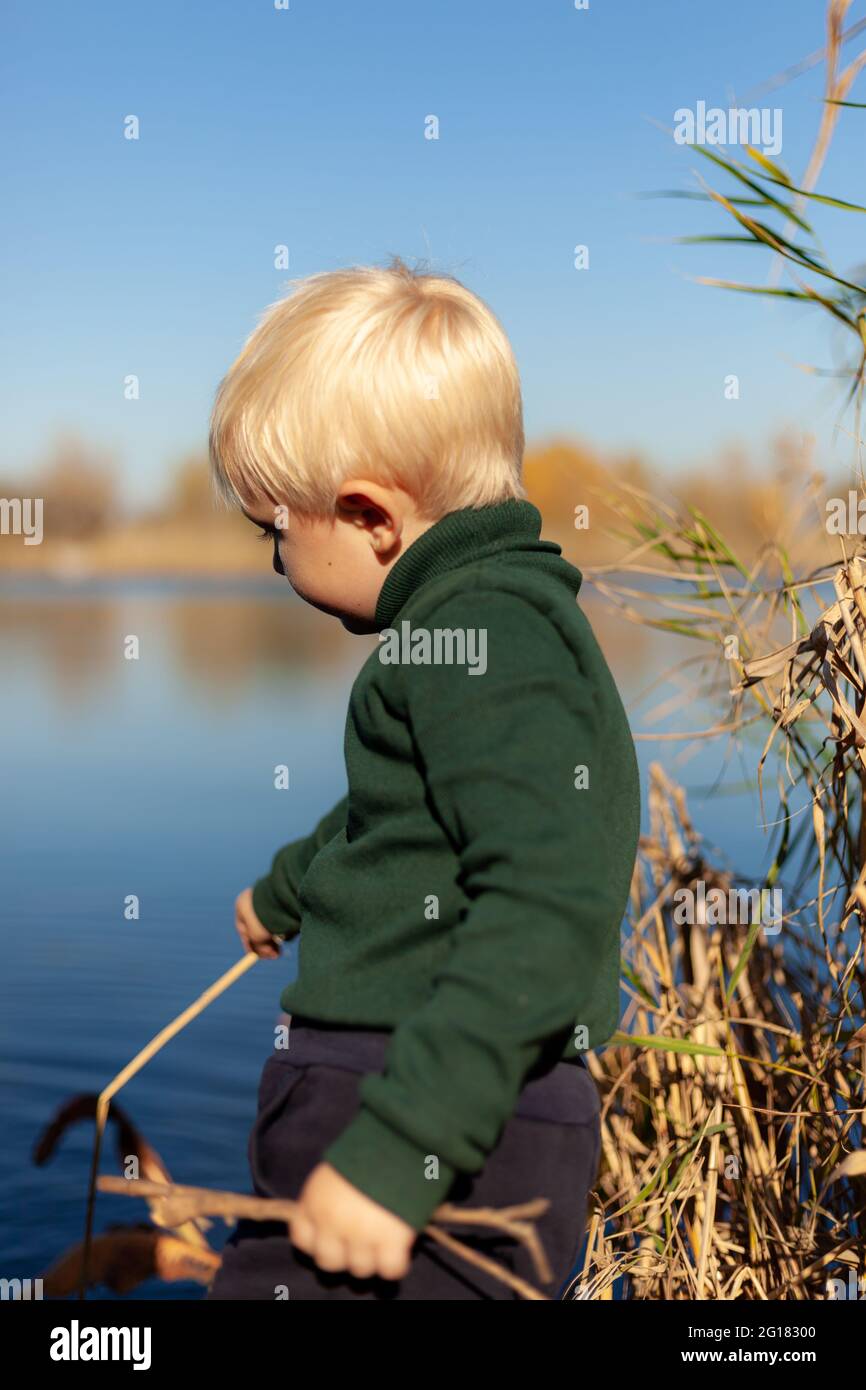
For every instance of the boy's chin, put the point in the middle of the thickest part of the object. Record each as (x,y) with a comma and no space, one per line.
(359,627)
(352,622)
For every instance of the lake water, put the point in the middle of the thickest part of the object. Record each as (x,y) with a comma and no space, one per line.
(154,777)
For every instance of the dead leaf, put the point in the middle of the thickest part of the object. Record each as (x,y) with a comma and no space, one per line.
(128,1255)
(852,1166)
(131,1143)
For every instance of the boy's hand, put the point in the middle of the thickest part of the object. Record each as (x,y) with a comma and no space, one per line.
(340,1228)
(253,933)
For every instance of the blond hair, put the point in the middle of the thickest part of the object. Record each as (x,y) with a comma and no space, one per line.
(393,375)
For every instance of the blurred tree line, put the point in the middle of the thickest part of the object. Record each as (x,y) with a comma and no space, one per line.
(579,490)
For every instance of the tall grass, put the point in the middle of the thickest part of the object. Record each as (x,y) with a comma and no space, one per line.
(734,1099)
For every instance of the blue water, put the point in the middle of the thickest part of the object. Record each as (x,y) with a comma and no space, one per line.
(155,778)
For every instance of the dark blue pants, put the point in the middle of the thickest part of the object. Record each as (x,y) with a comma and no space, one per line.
(308,1094)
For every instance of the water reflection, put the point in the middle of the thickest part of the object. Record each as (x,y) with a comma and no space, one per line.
(220,640)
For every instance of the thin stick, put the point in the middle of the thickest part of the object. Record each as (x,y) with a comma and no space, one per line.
(708,1227)
(514,1221)
(139,1060)
(489,1266)
(179,1204)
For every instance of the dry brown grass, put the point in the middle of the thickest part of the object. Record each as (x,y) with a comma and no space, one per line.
(731,1101)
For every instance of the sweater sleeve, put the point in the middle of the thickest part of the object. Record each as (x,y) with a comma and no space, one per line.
(498,753)
(275,897)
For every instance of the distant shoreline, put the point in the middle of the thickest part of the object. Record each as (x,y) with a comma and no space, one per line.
(45,582)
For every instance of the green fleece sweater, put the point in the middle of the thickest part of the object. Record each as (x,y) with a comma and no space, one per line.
(468,893)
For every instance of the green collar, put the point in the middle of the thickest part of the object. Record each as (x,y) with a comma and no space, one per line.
(459,539)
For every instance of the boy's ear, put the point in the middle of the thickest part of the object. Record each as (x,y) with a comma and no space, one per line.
(374,509)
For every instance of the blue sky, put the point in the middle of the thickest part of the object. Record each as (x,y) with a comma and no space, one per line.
(306,127)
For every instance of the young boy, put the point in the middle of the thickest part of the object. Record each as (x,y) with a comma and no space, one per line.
(459,911)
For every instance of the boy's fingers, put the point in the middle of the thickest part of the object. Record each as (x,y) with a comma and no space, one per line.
(303,1234)
(263,945)
(393,1264)
(330,1254)
(363,1262)
(267,950)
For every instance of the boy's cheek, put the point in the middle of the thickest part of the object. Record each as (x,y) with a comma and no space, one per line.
(291,569)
